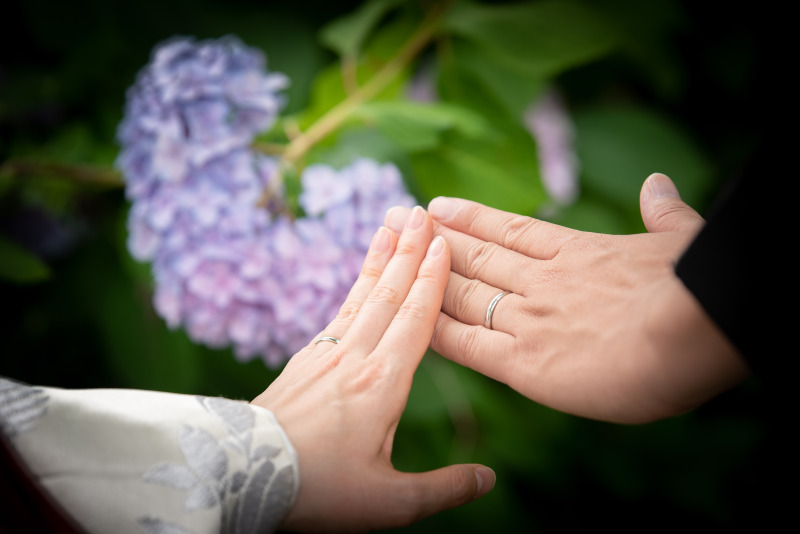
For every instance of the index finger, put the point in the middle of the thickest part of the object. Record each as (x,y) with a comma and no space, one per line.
(532,237)
(411,329)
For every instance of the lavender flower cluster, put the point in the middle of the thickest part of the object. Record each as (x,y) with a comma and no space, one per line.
(227,269)
(548,121)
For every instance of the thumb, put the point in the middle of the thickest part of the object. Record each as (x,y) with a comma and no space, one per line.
(662,207)
(448,487)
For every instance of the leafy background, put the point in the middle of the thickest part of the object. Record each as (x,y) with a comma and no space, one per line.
(657,86)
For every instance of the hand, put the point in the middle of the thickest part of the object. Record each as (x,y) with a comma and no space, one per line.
(340,403)
(595,325)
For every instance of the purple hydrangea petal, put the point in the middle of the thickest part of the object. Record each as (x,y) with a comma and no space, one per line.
(227,269)
(550,125)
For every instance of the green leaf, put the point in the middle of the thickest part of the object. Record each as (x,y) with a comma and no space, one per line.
(330,87)
(347,34)
(476,79)
(537,38)
(20,266)
(591,215)
(328,90)
(418,126)
(619,147)
(500,171)
(357,143)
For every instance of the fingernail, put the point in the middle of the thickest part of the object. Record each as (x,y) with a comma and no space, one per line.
(442,208)
(396,218)
(661,186)
(436,247)
(486,479)
(416,218)
(380,241)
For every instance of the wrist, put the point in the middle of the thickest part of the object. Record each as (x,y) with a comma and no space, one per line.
(694,359)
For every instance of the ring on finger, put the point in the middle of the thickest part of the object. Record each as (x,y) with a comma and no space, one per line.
(330,339)
(490,310)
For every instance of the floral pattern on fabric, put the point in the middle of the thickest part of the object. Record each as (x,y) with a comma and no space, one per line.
(250,500)
(21,406)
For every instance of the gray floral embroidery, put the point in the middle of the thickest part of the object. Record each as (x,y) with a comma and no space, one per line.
(157,526)
(260,496)
(21,407)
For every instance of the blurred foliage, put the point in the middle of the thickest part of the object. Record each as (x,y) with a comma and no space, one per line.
(656,86)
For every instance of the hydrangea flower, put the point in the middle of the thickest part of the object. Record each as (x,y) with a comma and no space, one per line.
(548,122)
(226,269)
(550,125)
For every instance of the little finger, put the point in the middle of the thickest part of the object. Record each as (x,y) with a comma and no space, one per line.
(488,352)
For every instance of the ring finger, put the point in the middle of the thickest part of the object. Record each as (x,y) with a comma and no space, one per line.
(472,302)
(380,252)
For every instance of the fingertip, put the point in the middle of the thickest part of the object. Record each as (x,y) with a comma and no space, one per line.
(660,185)
(437,247)
(416,218)
(382,240)
(662,207)
(442,208)
(395,218)
(486,478)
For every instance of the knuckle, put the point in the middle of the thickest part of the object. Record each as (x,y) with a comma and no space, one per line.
(462,486)
(477,257)
(463,296)
(383,294)
(405,249)
(676,216)
(369,375)
(412,310)
(332,360)
(428,277)
(467,344)
(515,230)
(348,312)
(436,338)
(371,273)
(479,218)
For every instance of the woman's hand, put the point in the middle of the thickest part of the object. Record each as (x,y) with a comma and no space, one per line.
(595,325)
(340,403)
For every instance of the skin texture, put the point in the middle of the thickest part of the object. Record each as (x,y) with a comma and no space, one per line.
(597,325)
(340,403)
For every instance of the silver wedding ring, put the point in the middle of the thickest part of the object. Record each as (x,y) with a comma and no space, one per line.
(490,310)
(327,338)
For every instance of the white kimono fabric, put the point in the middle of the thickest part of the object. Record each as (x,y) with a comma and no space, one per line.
(147,462)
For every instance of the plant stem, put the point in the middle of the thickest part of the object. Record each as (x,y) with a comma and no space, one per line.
(269,148)
(338,114)
(87,174)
